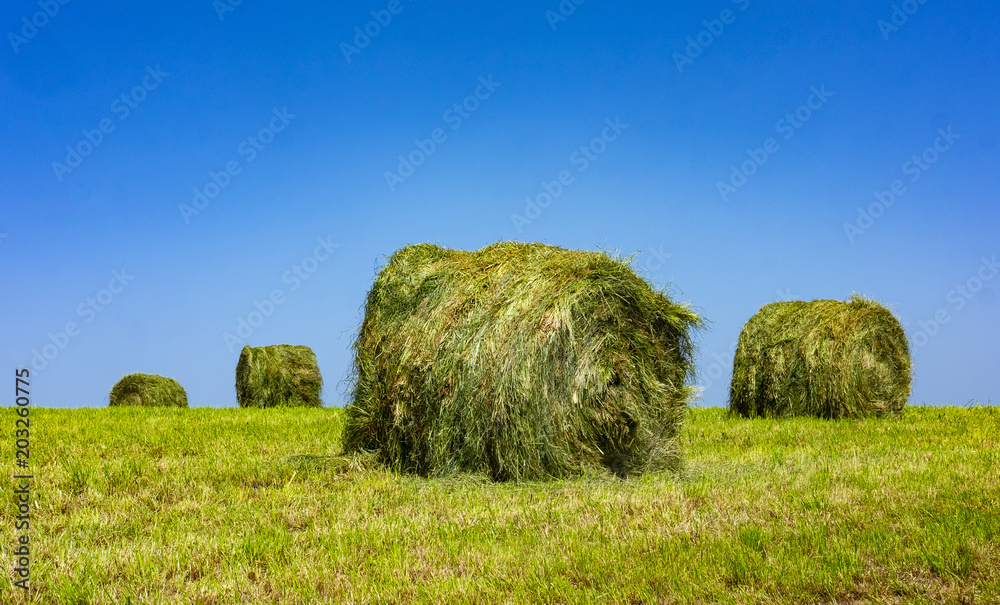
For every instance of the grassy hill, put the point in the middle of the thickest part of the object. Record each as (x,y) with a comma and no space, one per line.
(254,506)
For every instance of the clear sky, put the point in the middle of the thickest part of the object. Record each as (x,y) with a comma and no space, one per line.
(167,168)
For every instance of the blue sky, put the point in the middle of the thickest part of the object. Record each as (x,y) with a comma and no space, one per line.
(166,170)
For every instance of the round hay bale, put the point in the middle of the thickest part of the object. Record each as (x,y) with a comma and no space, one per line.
(518,361)
(823,358)
(278,375)
(148,390)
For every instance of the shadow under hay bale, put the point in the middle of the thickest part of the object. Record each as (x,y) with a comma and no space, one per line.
(278,376)
(518,361)
(147,390)
(824,358)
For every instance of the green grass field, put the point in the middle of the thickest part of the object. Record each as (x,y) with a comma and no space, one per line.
(254,506)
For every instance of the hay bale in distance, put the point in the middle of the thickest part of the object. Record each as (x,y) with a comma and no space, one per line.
(518,361)
(823,358)
(278,375)
(147,390)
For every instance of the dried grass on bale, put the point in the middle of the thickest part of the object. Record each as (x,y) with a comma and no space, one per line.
(823,358)
(278,375)
(148,390)
(518,361)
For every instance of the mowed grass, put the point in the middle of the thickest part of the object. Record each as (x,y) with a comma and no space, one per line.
(255,506)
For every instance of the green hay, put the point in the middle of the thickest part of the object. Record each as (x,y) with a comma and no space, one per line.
(148,390)
(518,361)
(278,375)
(823,358)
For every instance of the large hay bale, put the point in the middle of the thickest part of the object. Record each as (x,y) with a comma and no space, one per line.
(148,390)
(518,361)
(278,375)
(823,358)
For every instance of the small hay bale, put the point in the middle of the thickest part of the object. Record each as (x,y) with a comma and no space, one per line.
(823,358)
(147,390)
(518,361)
(278,375)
